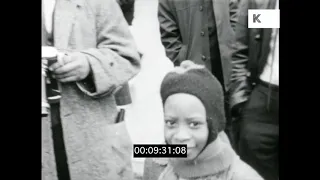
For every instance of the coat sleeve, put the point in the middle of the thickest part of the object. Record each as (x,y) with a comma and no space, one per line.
(239,84)
(233,6)
(115,60)
(170,34)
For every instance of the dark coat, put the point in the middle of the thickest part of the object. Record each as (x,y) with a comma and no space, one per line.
(250,54)
(181,24)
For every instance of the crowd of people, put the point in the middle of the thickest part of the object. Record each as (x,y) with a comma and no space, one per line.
(220,99)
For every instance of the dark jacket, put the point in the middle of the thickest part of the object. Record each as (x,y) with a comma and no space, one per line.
(250,54)
(181,26)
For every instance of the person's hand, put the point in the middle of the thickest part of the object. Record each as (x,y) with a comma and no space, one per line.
(70,68)
(187,65)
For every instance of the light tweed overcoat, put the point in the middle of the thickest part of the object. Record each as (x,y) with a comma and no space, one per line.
(97,149)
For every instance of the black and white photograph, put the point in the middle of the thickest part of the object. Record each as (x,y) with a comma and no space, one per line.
(160,90)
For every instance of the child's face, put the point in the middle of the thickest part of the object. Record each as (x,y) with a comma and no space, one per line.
(185,123)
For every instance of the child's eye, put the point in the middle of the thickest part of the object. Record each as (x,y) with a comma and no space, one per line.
(170,123)
(194,124)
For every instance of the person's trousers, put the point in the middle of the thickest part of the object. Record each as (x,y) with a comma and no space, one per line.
(259,131)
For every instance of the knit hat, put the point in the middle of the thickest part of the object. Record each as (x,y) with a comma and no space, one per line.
(201,83)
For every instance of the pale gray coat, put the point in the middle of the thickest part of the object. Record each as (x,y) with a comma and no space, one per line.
(97,149)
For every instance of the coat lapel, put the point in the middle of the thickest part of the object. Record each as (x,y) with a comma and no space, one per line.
(64,18)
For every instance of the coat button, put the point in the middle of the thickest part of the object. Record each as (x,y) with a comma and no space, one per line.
(202,33)
(201,8)
(203,57)
(257,36)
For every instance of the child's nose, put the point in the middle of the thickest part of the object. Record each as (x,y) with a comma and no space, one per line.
(182,136)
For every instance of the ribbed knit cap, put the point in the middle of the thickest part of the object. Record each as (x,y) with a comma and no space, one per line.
(202,84)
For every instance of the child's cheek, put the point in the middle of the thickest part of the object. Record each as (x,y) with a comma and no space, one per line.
(168,135)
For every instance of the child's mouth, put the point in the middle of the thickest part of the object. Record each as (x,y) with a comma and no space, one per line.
(189,150)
